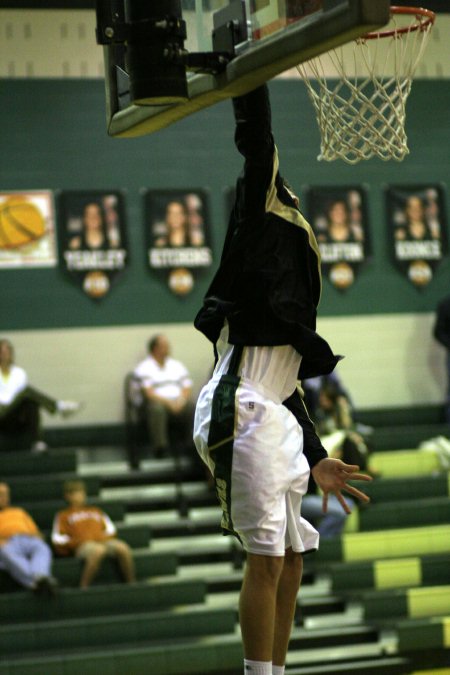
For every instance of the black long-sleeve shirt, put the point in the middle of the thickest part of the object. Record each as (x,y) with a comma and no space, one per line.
(268,283)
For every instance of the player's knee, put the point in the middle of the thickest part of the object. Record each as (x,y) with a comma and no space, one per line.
(265,569)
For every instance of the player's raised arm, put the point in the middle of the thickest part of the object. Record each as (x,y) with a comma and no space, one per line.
(253,134)
(254,140)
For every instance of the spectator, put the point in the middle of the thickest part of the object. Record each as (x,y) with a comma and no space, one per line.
(331,408)
(336,427)
(442,335)
(23,552)
(20,403)
(88,533)
(311,389)
(166,388)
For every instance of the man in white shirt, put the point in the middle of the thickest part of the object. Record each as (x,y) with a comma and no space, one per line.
(167,389)
(20,403)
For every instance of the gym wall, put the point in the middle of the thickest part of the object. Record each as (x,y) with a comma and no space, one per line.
(54,137)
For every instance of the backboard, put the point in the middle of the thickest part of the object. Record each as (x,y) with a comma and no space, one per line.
(272,36)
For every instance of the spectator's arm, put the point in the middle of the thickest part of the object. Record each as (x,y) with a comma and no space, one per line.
(109,527)
(185,395)
(151,395)
(344,413)
(60,538)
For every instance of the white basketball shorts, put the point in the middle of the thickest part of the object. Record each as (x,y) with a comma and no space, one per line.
(253,446)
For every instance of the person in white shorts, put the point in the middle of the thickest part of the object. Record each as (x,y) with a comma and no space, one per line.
(251,427)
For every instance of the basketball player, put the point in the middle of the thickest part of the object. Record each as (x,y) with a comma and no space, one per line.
(260,313)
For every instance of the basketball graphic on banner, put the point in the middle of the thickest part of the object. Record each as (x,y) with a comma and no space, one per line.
(21,222)
(27,229)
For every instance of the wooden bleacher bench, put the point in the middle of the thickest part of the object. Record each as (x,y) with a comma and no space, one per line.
(417,571)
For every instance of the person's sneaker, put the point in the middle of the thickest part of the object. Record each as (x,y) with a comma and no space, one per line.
(67,408)
(39,447)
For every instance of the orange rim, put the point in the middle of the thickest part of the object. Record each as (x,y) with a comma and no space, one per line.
(418,12)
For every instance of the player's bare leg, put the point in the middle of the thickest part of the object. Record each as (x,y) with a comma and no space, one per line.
(257,605)
(288,586)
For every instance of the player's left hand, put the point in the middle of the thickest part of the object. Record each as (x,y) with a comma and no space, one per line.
(332,476)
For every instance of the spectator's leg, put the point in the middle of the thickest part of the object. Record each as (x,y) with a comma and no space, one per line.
(40,557)
(333,521)
(181,431)
(157,422)
(132,445)
(184,422)
(122,552)
(93,553)
(22,416)
(14,558)
(31,420)
(311,508)
(42,400)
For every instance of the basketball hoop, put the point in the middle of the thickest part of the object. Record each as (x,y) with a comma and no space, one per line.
(362,114)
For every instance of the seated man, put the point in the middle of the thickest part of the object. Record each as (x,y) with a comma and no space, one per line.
(20,403)
(88,533)
(167,389)
(23,553)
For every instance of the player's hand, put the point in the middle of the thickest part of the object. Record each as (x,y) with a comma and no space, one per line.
(332,476)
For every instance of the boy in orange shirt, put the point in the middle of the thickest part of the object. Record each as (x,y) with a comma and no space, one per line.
(88,533)
(23,553)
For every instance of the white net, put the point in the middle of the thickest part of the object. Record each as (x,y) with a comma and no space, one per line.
(359,92)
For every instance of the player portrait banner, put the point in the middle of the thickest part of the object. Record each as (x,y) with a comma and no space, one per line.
(339,218)
(178,236)
(27,229)
(417,230)
(92,238)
